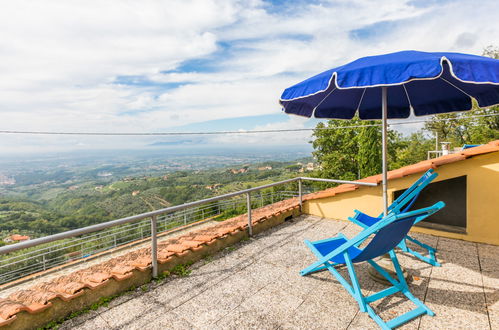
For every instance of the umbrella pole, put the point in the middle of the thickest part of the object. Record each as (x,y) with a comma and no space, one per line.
(384,261)
(384,109)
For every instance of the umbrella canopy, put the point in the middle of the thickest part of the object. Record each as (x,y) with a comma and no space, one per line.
(393,85)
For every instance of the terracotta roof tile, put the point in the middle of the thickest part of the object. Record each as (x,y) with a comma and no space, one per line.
(486,148)
(323,194)
(164,254)
(312,196)
(373,179)
(142,262)
(213,241)
(121,269)
(190,244)
(204,238)
(66,291)
(197,248)
(177,248)
(92,274)
(164,245)
(28,303)
(395,174)
(65,285)
(452,158)
(164,260)
(182,254)
(417,168)
(344,188)
(29,297)
(9,308)
(8,321)
(120,277)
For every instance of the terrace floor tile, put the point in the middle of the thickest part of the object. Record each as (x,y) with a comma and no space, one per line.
(256,284)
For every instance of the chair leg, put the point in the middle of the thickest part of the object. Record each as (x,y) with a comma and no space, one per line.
(355,283)
(398,270)
(398,286)
(431,258)
(403,282)
(403,246)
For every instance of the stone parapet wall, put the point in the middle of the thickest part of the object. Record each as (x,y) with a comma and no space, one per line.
(58,298)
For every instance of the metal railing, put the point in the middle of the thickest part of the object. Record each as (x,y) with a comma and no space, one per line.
(48,257)
(148,227)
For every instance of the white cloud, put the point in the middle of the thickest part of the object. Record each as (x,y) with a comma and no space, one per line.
(281,138)
(60,60)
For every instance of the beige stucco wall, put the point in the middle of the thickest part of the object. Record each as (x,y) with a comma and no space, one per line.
(482,198)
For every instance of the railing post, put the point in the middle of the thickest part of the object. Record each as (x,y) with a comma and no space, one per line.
(300,194)
(248,205)
(154,247)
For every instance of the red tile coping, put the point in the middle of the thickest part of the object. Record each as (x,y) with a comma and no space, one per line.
(420,167)
(68,287)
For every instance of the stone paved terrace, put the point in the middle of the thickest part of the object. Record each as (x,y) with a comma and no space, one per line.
(256,285)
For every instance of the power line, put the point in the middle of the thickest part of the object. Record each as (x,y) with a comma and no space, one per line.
(230,132)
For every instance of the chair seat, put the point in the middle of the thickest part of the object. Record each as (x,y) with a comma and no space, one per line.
(366,219)
(328,246)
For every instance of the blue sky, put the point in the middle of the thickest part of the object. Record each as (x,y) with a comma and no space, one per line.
(199,65)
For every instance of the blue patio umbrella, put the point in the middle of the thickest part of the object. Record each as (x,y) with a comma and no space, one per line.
(394,85)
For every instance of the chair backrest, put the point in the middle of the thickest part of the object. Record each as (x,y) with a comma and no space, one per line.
(404,202)
(390,235)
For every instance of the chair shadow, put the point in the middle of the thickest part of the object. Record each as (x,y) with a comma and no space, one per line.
(472,298)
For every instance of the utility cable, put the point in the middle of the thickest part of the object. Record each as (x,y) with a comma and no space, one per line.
(233,132)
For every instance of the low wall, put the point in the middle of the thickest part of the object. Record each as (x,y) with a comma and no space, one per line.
(58,308)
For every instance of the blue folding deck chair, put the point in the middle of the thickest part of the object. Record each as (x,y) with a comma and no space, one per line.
(388,232)
(402,204)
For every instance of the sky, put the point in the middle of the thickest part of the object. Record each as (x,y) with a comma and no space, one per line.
(198,65)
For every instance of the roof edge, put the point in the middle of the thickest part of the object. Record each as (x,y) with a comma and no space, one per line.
(492,146)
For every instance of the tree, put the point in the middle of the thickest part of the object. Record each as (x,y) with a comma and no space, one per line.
(491,51)
(459,128)
(369,156)
(348,153)
(484,129)
(410,150)
(336,149)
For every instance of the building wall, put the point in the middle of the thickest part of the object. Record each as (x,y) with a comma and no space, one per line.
(482,173)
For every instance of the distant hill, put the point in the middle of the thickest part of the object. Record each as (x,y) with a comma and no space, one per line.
(47,200)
